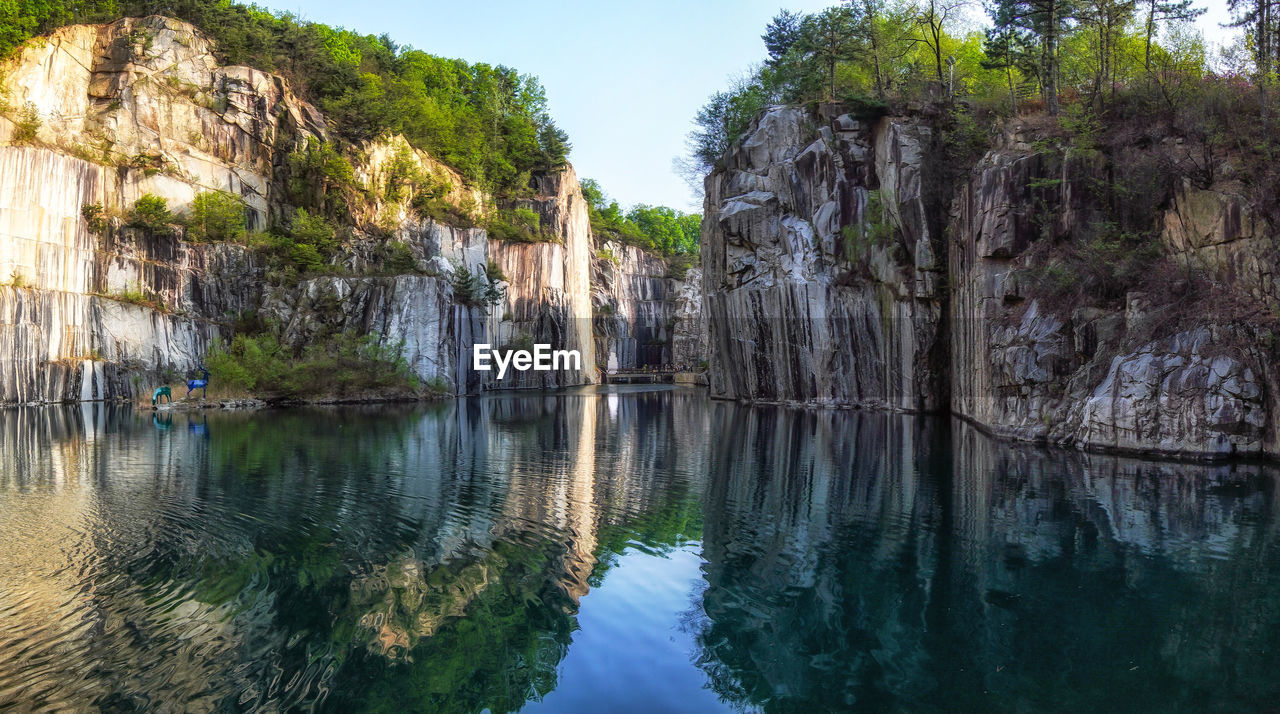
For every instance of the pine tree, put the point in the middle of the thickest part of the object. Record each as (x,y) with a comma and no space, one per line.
(554,145)
(830,37)
(781,35)
(1008,48)
(1163,10)
(1048,21)
(1260,17)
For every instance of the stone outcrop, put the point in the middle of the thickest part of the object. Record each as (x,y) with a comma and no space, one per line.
(1126,377)
(1217,230)
(548,296)
(139,107)
(1180,395)
(146,92)
(689,330)
(65,334)
(821,265)
(632,302)
(824,283)
(645,314)
(1007,370)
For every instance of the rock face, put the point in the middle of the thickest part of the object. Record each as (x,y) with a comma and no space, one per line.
(140,106)
(823,258)
(689,338)
(821,262)
(1216,229)
(147,92)
(645,316)
(1181,395)
(548,298)
(632,302)
(1099,377)
(63,336)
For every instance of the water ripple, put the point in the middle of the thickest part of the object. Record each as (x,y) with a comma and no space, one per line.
(614,550)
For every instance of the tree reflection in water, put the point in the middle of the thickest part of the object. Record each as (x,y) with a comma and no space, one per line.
(436,559)
(863,561)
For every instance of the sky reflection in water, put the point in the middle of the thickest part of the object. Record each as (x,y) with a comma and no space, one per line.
(635,550)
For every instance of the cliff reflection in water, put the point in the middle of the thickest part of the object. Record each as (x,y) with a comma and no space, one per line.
(863,561)
(438,559)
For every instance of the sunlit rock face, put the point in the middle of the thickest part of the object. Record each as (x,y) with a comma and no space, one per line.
(1135,376)
(61,337)
(134,107)
(546,297)
(548,285)
(821,259)
(140,106)
(147,91)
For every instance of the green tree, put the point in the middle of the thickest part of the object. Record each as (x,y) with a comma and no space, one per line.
(321,178)
(592,193)
(1007,48)
(313,229)
(1158,11)
(554,145)
(888,39)
(1105,20)
(27,127)
(216,216)
(1259,18)
(710,137)
(151,214)
(781,34)
(830,37)
(933,17)
(476,289)
(1048,21)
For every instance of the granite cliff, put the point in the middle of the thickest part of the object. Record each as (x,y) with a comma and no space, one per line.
(140,106)
(822,261)
(843,268)
(644,314)
(1182,365)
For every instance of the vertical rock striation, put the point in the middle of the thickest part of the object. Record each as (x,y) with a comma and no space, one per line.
(548,297)
(823,271)
(821,265)
(140,106)
(1132,377)
(632,299)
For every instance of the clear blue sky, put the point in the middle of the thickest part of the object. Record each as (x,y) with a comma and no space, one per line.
(624,79)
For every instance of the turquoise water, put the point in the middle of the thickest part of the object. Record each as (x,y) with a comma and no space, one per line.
(633,549)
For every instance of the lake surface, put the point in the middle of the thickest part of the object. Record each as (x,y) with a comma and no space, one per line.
(623,549)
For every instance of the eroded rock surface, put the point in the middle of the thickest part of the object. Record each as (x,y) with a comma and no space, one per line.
(140,106)
(828,281)
(1127,377)
(810,295)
